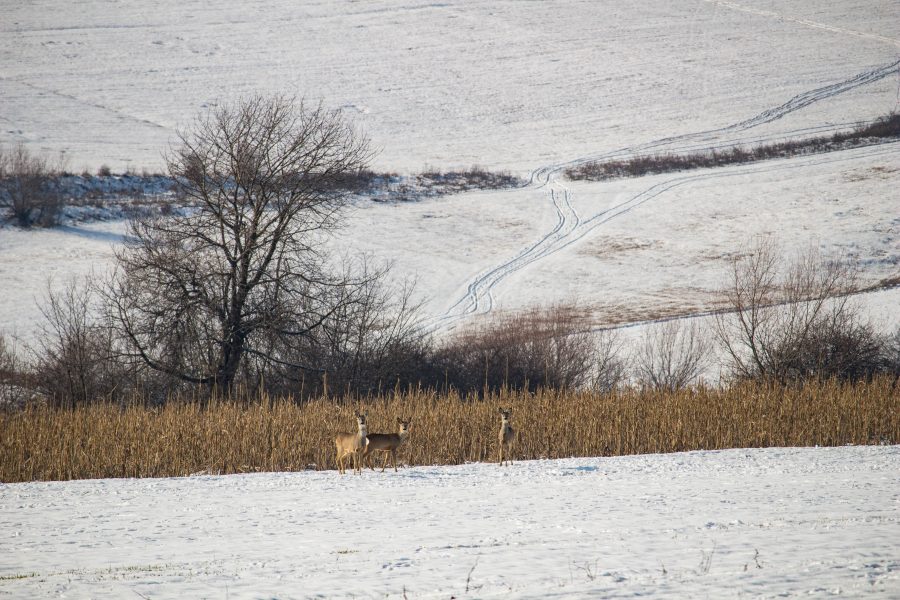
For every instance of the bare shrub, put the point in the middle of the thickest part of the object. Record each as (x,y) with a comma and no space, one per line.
(884,128)
(475,177)
(16,379)
(794,319)
(366,344)
(891,355)
(610,371)
(27,189)
(104,171)
(671,356)
(539,347)
(75,358)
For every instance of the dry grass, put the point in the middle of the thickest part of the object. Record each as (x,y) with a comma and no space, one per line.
(179,439)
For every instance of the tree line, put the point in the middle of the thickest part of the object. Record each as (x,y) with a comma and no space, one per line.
(237,291)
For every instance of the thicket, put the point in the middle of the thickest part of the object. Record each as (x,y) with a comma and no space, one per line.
(884,128)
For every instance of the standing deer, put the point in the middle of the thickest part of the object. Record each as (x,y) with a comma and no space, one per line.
(352,443)
(507,435)
(386,443)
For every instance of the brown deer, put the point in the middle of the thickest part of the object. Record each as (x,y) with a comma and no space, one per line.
(352,443)
(507,435)
(387,443)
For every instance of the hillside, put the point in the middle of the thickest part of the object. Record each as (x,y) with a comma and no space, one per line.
(531,88)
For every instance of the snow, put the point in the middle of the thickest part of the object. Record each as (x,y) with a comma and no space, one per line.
(530,87)
(505,84)
(30,260)
(771,522)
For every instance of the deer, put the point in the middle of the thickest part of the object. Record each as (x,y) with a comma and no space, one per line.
(507,435)
(386,443)
(352,443)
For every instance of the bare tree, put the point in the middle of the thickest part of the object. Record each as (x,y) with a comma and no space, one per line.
(790,319)
(199,292)
(672,356)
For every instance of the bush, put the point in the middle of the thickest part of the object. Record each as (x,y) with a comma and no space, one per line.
(610,371)
(76,358)
(671,356)
(27,189)
(794,320)
(16,382)
(541,347)
(360,348)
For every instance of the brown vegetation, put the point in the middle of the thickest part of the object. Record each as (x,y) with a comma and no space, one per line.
(178,439)
(26,187)
(886,127)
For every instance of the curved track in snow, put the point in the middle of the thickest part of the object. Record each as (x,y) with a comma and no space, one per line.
(570,227)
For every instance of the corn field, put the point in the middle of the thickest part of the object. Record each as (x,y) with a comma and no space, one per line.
(184,438)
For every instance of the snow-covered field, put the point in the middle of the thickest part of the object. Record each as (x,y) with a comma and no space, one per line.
(754,523)
(506,84)
(530,87)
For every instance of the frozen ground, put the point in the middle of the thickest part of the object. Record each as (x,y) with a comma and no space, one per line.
(752,523)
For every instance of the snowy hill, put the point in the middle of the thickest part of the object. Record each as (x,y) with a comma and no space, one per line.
(531,87)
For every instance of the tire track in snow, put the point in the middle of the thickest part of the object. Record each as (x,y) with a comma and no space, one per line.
(754,168)
(547,246)
(479,297)
(543,175)
(570,228)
